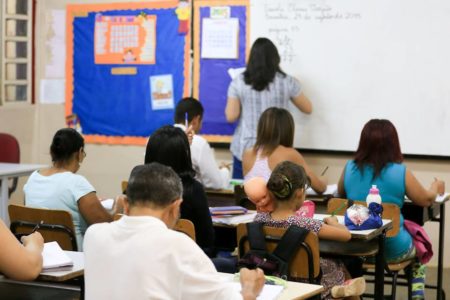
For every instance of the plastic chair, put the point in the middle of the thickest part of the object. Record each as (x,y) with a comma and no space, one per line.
(390,212)
(9,153)
(54,225)
(305,266)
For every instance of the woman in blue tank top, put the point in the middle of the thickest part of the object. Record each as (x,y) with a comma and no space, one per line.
(379,160)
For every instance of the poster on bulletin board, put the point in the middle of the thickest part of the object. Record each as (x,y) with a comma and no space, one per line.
(127,66)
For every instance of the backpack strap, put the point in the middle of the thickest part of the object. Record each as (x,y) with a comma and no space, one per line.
(290,242)
(256,237)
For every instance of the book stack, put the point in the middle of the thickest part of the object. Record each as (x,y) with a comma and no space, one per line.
(227,210)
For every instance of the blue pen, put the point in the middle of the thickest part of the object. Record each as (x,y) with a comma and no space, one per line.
(186,122)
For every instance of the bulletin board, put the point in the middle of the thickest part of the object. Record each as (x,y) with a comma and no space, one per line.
(127,66)
(210,75)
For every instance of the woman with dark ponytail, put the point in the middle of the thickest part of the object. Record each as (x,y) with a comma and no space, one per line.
(286,186)
(59,187)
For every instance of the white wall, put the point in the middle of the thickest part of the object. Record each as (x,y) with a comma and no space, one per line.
(106,166)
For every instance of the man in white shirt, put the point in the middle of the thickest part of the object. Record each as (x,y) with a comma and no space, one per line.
(189,112)
(140,257)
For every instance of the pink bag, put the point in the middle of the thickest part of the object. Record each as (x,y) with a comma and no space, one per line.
(307,210)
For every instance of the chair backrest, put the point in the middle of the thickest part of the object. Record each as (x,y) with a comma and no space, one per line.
(9,153)
(57,225)
(183,225)
(390,212)
(9,149)
(304,266)
(186,226)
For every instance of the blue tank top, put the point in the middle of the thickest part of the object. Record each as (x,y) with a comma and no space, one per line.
(391,183)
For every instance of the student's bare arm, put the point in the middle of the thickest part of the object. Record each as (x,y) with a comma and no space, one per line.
(92,210)
(233,109)
(418,194)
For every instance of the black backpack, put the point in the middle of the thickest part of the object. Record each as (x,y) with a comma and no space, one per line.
(277,262)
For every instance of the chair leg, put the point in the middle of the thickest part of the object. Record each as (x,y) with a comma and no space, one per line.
(394,285)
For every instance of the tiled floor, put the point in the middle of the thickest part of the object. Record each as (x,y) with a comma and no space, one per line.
(430,294)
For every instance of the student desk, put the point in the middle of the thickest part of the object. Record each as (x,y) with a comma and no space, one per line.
(7,171)
(363,243)
(49,284)
(293,290)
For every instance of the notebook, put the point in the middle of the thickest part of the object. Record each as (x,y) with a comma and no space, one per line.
(55,257)
(227,210)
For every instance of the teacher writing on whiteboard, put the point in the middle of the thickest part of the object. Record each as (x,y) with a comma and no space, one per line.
(262,85)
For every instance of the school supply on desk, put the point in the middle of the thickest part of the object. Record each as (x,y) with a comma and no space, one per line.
(54,257)
(234,220)
(107,204)
(227,210)
(442,198)
(359,217)
(272,287)
(332,190)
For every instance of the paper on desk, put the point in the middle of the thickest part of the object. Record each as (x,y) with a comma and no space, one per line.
(331,190)
(235,220)
(107,203)
(269,291)
(54,257)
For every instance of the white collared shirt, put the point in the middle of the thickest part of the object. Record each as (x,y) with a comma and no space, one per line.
(140,258)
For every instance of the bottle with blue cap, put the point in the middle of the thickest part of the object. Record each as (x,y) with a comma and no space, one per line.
(373,196)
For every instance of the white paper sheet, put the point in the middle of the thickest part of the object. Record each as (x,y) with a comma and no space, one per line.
(220,38)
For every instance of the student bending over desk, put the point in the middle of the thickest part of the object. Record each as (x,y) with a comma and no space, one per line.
(169,146)
(59,187)
(17,261)
(140,257)
(274,141)
(287,185)
(379,161)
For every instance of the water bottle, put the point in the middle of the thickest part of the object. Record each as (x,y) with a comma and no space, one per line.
(374,195)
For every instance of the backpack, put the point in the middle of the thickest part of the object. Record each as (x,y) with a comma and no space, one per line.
(277,262)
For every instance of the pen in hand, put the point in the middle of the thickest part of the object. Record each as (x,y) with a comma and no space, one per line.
(38,225)
(324,171)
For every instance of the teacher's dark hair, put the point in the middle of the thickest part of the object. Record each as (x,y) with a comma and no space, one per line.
(378,146)
(263,64)
(169,146)
(65,143)
(275,127)
(153,184)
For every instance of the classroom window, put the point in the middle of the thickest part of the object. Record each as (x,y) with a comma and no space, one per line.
(15,51)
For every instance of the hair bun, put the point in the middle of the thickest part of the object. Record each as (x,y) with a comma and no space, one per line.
(280,186)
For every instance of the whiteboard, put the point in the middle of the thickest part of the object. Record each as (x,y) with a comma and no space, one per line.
(363,59)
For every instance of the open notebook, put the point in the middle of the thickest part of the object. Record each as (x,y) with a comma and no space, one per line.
(55,257)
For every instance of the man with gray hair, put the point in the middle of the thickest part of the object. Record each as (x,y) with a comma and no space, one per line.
(141,257)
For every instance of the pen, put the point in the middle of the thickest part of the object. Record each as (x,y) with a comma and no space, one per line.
(343,204)
(37,226)
(324,170)
(186,122)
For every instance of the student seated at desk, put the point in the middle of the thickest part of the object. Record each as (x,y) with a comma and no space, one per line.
(20,261)
(189,112)
(59,187)
(287,185)
(379,161)
(140,257)
(274,141)
(169,146)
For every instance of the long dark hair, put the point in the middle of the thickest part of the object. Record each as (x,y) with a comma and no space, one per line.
(65,143)
(275,127)
(286,178)
(169,146)
(378,146)
(263,64)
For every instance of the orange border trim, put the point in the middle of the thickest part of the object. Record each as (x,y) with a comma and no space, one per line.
(196,48)
(80,10)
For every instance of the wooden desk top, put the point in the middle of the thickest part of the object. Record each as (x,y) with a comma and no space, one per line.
(59,275)
(293,290)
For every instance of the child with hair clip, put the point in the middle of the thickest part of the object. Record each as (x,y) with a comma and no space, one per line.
(286,186)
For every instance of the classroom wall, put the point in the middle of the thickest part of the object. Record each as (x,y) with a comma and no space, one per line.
(106,166)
